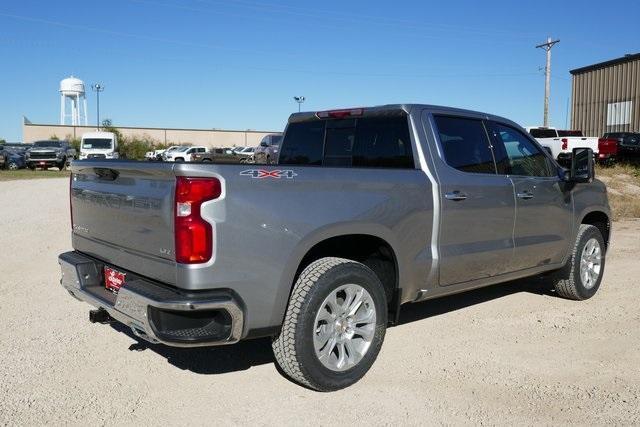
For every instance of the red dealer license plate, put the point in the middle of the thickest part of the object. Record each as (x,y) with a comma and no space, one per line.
(113,279)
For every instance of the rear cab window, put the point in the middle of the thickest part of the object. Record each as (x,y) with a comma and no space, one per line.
(543,133)
(365,142)
(465,144)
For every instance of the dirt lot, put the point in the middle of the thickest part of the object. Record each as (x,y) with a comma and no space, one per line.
(509,354)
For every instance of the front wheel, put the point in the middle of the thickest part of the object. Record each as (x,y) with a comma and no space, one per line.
(334,326)
(580,278)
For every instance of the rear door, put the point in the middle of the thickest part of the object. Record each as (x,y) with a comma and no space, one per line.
(477,204)
(543,209)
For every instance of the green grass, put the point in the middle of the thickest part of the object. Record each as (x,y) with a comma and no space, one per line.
(6,175)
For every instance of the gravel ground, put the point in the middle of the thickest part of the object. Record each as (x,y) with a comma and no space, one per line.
(509,354)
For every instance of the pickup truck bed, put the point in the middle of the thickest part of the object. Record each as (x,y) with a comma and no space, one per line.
(366,209)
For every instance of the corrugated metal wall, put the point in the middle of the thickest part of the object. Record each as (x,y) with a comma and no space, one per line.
(593,91)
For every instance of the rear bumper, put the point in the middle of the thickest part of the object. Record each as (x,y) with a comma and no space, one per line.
(156,313)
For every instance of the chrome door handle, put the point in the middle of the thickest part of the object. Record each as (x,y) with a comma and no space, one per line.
(525,195)
(455,196)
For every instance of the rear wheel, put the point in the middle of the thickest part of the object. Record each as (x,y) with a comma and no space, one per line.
(334,326)
(12,166)
(580,278)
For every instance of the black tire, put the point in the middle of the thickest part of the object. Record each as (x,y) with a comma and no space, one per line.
(206,160)
(568,281)
(179,159)
(293,347)
(32,167)
(12,166)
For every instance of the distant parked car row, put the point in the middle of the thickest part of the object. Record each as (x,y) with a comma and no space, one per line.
(41,154)
(266,152)
(611,147)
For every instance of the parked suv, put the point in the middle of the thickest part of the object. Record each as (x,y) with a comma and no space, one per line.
(182,154)
(50,153)
(267,151)
(367,209)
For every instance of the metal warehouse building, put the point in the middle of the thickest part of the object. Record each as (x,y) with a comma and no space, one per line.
(605,97)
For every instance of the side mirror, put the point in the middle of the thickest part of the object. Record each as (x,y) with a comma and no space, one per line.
(264,144)
(582,165)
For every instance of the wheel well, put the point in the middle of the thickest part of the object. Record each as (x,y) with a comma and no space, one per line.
(600,220)
(371,251)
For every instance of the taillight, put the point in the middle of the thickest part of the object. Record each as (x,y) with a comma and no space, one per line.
(193,235)
(340,114)
(565,143)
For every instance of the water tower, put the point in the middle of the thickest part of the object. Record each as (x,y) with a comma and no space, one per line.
(72,92)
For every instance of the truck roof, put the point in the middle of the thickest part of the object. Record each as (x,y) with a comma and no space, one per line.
(390,109)
(98,135)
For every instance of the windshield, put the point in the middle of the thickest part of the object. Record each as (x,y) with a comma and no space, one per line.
(54,144)
(99,143)
(275,140)
(248,150)
(181,149)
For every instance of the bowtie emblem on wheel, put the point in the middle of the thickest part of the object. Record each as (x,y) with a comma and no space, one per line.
(263,173)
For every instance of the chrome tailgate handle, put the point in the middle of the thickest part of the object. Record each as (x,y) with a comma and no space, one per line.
(455,196)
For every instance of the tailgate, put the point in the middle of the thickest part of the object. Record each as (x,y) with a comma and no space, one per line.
(123,214)
(583,142)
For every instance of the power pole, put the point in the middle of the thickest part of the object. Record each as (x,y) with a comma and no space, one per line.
(547,77)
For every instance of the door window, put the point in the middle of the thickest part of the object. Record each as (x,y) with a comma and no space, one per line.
(521,156)
(465,144)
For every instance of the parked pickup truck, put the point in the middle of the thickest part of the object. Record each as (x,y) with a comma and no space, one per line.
(217,155)
(562,142)
(366,210)
(50,153)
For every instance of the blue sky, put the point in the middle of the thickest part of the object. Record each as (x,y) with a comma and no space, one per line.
(237,64)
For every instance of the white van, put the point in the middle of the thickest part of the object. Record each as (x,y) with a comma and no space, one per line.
(99,145)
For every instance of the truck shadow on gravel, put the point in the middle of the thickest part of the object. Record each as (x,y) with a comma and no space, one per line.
(208,360)
(422,310)
(246,354)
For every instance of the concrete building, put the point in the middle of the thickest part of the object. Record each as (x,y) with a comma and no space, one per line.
(605,97)
(208,137)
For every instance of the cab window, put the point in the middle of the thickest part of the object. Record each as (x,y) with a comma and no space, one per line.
(465,144)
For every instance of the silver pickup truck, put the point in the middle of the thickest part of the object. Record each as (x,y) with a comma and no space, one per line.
(366,209)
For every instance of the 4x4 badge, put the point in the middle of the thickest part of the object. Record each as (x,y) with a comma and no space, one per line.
(263,173)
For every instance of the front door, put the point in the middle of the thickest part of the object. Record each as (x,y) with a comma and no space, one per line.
(543,210)
(477,205)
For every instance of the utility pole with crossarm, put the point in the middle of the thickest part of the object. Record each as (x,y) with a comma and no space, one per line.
(547,77)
